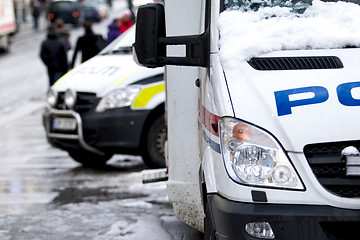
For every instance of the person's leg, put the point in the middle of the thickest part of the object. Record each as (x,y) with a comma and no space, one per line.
(51,78)
(36,23)
(57,75)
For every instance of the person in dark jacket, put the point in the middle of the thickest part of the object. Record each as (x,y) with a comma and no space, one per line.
(54,56)
(63,33)
(113,31)
(89,44)
(35,12)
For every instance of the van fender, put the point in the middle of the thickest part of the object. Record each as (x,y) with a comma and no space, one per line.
(209,171)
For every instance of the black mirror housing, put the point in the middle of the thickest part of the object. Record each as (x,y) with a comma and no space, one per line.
(151,41)
(150,27)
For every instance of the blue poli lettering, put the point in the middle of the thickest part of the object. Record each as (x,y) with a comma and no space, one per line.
(344,94)
(284,104)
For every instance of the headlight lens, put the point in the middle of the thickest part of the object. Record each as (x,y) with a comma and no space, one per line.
(118,98)
(51,97)
(70,98)
(252,156)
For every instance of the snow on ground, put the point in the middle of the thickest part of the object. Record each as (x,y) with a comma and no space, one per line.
(246,34)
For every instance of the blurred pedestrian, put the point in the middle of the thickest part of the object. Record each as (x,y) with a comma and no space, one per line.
(35,12)
(63,33)
(89,44)
(126,21)
(109,2)
(113,30)
(53,55)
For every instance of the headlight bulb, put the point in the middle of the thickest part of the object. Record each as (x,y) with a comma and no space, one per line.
(51,97)
(252,164)
(282,174)
(70,98)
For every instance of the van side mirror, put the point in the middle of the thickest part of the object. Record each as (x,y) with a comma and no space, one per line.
(150,27)
(150,47)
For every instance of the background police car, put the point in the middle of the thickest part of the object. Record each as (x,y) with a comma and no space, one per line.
(109,105)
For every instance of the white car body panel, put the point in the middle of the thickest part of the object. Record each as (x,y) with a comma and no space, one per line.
(104,73)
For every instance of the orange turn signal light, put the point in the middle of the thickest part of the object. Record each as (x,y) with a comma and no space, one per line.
(241,132)
(50,16)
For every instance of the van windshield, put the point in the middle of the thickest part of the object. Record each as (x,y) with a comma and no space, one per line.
(298,6)
(249,28)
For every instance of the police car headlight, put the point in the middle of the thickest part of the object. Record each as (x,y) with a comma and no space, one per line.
(253,157)
(51,97)
(70,98)
(118,98)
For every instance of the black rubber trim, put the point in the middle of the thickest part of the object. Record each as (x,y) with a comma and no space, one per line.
(295,63)
(153,79)
(259,196)
(295,222)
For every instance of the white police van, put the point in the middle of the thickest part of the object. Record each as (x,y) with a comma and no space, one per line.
(109,105)
(263,103)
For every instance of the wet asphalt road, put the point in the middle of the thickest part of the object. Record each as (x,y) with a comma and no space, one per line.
(46,195)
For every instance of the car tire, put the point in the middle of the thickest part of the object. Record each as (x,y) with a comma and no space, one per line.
(89,159)
(153,152)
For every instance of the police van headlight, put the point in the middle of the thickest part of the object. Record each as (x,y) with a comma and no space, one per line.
(70,98)
(118,98)
(51,97)
(254,157)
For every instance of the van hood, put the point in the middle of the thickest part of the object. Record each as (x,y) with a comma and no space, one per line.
(300,107)
(104,73)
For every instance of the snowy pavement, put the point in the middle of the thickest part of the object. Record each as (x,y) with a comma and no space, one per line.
(46,195)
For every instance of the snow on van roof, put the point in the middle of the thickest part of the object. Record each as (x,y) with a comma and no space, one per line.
(323,25)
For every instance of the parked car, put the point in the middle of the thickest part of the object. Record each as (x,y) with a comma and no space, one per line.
(68,10)
(109,105)
(95,10)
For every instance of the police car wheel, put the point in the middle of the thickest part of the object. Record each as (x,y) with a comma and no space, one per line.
(153,153)
(89,159)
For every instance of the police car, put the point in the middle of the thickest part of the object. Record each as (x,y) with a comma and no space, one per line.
(109,105)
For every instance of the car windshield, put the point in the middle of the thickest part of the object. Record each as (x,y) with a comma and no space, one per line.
(93,2)
(62,5)
(298,6)
(123,44)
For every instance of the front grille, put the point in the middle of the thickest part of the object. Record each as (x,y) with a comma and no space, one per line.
(295,63)
(329,167)
(84,102)
(61,101)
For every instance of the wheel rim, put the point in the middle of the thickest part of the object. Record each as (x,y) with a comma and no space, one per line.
(160,141)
